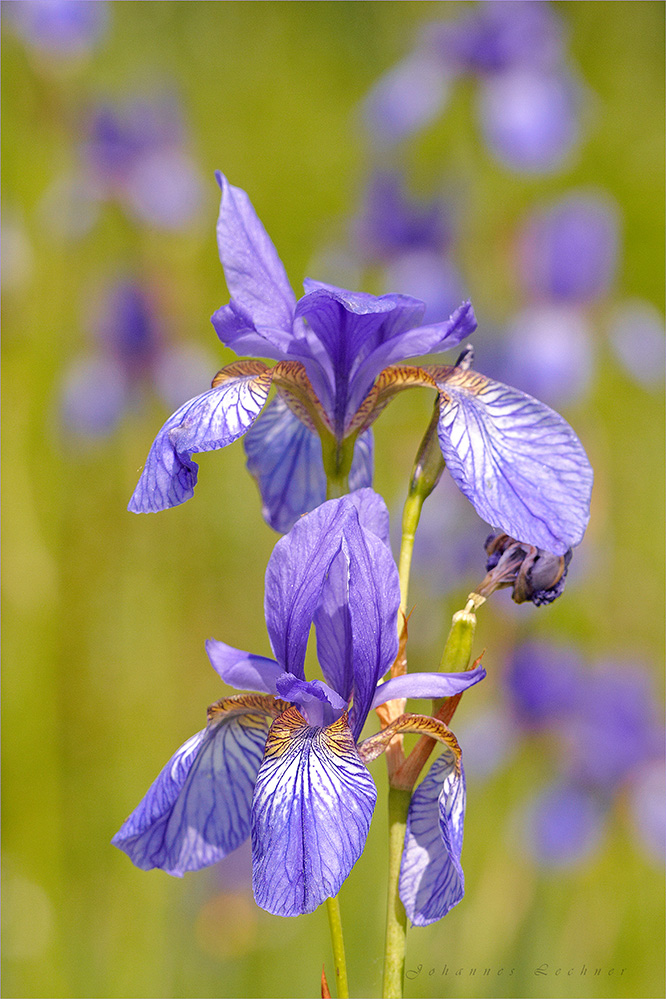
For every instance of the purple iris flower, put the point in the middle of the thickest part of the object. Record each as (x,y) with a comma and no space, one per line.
(285,764)
(549,352)
(567,254)
(518,462)
(545,682)
(609,736)
(528,99)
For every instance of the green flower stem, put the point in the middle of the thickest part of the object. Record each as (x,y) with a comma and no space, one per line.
(411,515)
(337,941)
(396,917)
(427,471)
(338,457)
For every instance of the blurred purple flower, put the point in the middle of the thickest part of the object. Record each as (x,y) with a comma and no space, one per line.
(62,29)
(563,825)
(615,726)
(411,240)
(544,682)
(391,222)
(133,357)
(499,35)
(567,257)
(407,97)
(135,154)
(528,100)
(568,251)
(530,119)
(548,352)
(611,741)
(638,342)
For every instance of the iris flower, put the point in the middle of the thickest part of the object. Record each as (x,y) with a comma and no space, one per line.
(284,763)
(517,461)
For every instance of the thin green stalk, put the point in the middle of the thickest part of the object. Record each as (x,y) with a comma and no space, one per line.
(396,917)
(410,519)
(427,471)
(338,944)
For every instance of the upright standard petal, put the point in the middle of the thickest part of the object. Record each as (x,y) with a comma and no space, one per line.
(333,617)
(198,809)
(208,422)
(431,877)
(295,576)
(254,273)
(312,807)
(331,569)
(517,461)
(411,343)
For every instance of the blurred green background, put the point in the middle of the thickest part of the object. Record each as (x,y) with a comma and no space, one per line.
(106,613)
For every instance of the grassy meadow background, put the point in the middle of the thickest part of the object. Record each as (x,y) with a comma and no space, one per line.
(106,613)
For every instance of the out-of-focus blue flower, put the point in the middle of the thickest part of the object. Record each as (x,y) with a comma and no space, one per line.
(285,764)
(544,682)
(528,100)
(567,255)
(608,734)
(548,351)
(529,118)
(615,725)
(411,240)
(391,223)
(136,155)
(61,29)
(563,825)
(638,342)
(568,251)
(133,356)
(518,462)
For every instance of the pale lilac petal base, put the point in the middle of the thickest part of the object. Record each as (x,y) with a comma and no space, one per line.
(431,877)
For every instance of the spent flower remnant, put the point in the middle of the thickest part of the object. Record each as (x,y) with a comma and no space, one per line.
(517,461)
(285,763)
(532,574)
(528,100)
